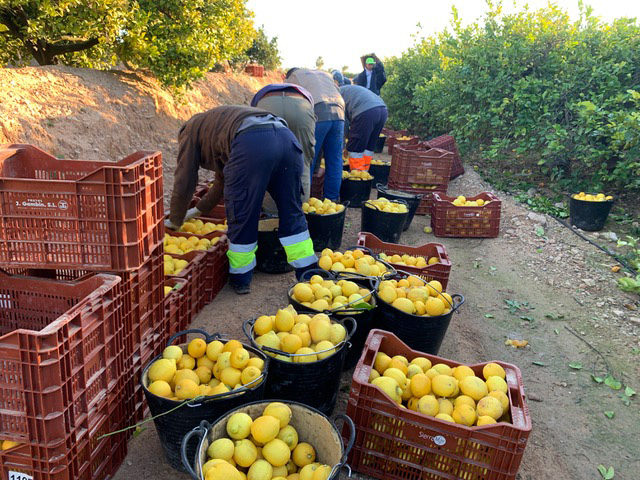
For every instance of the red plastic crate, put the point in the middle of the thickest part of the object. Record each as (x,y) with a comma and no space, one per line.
(447,220)
(91,215)
(176,313)
(89,457)
(254,70)
(447,142)
(421,167)
(194,274)
(438,271)
(317,183)
(394,133)
(62,354)
(217,212)
(425,203)
(393,141)
(401,444)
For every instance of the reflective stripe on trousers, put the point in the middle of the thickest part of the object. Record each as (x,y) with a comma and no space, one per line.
(242,258)
(299,248)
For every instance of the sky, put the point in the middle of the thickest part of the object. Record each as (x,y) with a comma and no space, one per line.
(342,31)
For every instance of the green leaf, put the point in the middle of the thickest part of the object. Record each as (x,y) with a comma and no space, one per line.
(488,315)
(612,382)
(610,414)
(606,473)
(629,392)
(556,331)
(493,269)
(527,318)
(597,379)
(540,364)
(626,400)
(540,231)
(361,306)
(635,351)
(576,365)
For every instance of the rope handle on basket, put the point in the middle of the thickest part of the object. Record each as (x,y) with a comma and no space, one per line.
(352,438)
(208,337)
(201,430)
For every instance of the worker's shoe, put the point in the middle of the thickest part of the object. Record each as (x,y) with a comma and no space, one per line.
(241,282)
(241,289)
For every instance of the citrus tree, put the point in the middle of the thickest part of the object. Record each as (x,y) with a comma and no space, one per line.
(532,83)
(177,40)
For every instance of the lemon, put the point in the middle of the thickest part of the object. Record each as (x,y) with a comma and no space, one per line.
(405,305)
(186,374)
(162,369)
(445,406)
(497,383)
(284,321)
(276,452)
(172,352)
(490,407)
(338,333)
(302,292)
(187,362)
(320,328)
(443,385)
(420,385)
(464,414)
(444,369)
(263,325)
(413,370)
(270,340)
(239,358)
(434,307)
(485,420)
(249,374)
(422,362)
(223,471)
(239,426)
(493,370)
(204,361)
(445,417)
(260,470)
(316,279)
(245,453)
(231,345)
(303,455)
(265,428)
(160,388)
(473,387)
(462,371)
(435,288)
(289,435)
(291,343)
(428,405)
(397,375)
(432,373)
(322,472)
(504,400)
(197,347)
(209,464)
(464,400)
(306,473)
(213,350)
(256,362)
(224,360)
(389,386)
(222,448)
(230,376)
(320,305)
(281,472)
(186,389)
(326,347)
(373,375)
(203,374)
(304,355)
(381,362)
(220,388)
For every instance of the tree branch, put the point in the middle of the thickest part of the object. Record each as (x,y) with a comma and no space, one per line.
(56,49)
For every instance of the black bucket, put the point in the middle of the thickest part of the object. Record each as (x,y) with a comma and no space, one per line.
(173,426)
(355,191)
(380,173)
(413,200)
(387,226)
(326,230)
(364,318)
(589,216)
(380,144)
(314,384)
(424,334)
(271,256)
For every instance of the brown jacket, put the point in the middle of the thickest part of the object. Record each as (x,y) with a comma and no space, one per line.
(205,142)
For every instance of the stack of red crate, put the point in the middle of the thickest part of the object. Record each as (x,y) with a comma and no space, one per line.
(447,142)
(71,220)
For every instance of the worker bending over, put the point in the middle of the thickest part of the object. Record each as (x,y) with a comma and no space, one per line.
(251,152)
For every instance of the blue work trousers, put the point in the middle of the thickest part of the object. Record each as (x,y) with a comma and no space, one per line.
(329,137)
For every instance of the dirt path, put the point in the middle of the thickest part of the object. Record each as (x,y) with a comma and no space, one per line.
(564,281)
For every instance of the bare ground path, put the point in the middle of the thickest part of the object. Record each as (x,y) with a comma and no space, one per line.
(558,280)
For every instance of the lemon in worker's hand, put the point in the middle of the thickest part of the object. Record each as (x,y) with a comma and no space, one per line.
(222,448)
(244,453)
(187,389)
(304,454)
(493,370)
(276,452)
(161,389)
(239,426)
(289,435)
(473,387)
(490,407)
(163,369)
(464,414)
(260,470)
